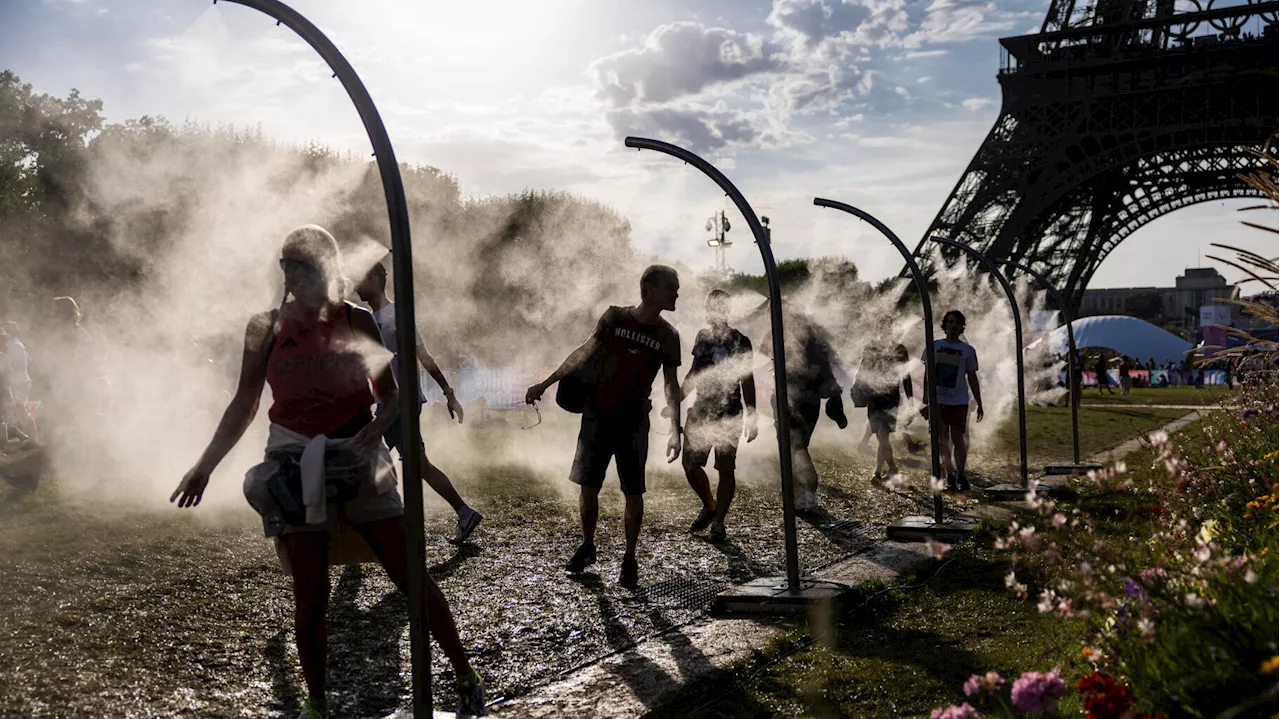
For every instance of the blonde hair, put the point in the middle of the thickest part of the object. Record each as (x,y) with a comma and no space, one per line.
(315,243)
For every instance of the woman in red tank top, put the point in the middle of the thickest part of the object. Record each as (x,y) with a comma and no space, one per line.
(312,352)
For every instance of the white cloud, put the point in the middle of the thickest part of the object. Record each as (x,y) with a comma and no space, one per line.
(958,21)
(974,104)
(679,60)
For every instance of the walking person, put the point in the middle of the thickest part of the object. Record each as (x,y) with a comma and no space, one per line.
(885,374)
(1100,370)
(373,290)
(810,379)
(1126,382)
(626,350)
(721,376)
(325,455)
(956,373)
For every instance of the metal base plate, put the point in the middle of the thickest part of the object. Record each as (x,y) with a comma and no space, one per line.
(1013,492)
(770,595)
(1071,467)
(918,528)
(408,714)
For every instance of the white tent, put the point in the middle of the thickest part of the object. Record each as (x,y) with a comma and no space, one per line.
(1128,335)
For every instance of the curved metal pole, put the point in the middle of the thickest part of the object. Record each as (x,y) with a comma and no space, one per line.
(1073,382)
(1017,340)
(782,418)
(927,308)
(406,357)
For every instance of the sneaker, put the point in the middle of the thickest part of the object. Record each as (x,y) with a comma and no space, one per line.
(313,708)
(471,696)
(703,521)
(630,576)
(467,524)
(717,533)
(585,556)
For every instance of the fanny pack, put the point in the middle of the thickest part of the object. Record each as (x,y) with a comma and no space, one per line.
(344,472)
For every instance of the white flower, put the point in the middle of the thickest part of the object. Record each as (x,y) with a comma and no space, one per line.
(897,482)
(1158,437)
(1193,600)
(1146,628)
(1120,467)
(1208,531)
(1203,554)
(937,485)
(1017,587)
(1250,576)
(1059,519)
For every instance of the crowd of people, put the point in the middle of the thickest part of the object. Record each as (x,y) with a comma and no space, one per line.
(326,490)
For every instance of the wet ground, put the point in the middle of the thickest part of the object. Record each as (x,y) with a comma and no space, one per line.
(115,612)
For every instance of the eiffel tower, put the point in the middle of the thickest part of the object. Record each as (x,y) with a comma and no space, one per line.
(1115,113)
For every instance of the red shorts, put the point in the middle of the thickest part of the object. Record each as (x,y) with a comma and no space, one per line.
(955,416)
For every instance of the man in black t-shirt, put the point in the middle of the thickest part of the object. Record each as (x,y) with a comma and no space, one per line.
(721,376)
(628,347)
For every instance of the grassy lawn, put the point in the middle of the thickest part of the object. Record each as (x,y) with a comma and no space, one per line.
(1162,395)
(1101,428)
(899,652)
(904,649)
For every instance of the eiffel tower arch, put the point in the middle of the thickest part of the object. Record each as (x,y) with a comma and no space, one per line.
(1115,113)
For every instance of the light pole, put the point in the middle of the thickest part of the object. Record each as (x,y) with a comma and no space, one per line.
(766,594)
(916,527)
(402,264)
(718,225)
(1009,491)
(1073,379)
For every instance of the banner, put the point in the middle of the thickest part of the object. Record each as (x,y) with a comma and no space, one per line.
(497,388)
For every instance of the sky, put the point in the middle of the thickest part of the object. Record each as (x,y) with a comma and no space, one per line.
(878,103)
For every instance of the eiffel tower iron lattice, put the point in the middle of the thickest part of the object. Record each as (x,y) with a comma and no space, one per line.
(1115,113)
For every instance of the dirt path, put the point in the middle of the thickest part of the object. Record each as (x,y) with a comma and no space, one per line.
(111,611)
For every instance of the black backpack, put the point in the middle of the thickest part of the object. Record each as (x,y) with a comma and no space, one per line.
(575,390)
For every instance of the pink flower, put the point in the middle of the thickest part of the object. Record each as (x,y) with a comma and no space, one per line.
(936,549)
(1037,692)
(963,711)
(981,684)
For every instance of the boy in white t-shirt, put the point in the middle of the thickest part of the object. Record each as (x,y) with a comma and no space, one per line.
(956,372)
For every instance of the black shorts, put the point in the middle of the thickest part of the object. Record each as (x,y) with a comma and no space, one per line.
(883,418)
(394,436)
(701,436)
(622,437)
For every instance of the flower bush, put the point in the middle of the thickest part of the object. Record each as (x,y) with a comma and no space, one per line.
(1181,604)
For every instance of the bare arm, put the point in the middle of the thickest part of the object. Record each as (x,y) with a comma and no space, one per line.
(238,415)
(977,391)
(671,383)
(429,364)
(748,385)
(570,364)
(244,405)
